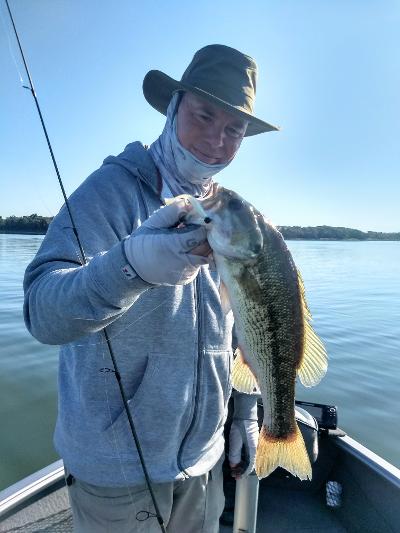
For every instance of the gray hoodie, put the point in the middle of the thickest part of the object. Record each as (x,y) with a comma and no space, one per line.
(172,344)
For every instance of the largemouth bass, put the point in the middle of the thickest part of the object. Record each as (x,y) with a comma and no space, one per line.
(276,342)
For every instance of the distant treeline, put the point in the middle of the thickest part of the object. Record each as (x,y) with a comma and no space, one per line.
(36,224)
(32,224)
(335,234)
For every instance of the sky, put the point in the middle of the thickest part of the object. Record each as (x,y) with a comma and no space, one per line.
(329,76)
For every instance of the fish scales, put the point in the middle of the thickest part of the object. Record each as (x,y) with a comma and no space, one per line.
(268,314)
(262,286)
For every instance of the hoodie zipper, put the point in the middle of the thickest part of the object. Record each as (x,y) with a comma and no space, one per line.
(198,305)
(198,309)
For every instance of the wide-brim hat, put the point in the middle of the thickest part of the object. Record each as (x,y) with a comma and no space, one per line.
(220,74)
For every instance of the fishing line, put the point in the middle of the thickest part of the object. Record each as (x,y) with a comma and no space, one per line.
(113,430)
(123,328)
(83,262)
(6,31)
(126,326)
(32,90)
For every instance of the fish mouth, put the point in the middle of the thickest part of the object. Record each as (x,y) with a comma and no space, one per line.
(221,249)
(197,215)
(203,213)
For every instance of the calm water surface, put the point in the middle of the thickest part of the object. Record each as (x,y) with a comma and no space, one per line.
(353,291)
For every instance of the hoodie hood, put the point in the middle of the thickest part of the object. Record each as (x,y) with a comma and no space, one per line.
(137,160)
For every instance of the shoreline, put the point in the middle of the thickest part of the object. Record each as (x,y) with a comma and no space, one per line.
(3,232)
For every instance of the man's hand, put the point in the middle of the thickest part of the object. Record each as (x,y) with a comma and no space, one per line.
(244,433)
(162,252)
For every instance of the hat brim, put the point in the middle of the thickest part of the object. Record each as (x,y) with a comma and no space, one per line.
(158,89)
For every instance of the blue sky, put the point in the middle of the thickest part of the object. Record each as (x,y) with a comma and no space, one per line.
(329,76)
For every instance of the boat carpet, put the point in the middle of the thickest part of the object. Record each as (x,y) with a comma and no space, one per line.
(279,511)
(50,514)
(293,511)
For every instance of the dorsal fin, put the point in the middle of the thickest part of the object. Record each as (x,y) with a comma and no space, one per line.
(314,363)
(307,312)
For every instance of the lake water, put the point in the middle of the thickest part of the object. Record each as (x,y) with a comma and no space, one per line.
(353,291)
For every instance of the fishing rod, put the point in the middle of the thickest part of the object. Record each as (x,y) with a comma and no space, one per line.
(84,262)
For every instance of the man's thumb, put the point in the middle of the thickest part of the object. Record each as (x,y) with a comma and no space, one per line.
(168,216)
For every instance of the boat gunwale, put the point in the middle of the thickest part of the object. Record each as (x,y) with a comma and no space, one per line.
(30,486)
(374,461)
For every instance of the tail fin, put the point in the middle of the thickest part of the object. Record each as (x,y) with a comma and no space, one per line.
(289,453)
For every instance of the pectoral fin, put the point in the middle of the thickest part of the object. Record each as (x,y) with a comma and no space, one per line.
(243,378)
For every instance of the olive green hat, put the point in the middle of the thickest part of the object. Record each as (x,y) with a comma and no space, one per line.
(218,73)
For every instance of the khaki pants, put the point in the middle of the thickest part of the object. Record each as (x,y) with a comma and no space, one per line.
(190,506)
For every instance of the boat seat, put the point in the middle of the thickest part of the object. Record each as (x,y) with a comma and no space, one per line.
(309,429)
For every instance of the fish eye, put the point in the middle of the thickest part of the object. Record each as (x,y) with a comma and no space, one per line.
(235,204)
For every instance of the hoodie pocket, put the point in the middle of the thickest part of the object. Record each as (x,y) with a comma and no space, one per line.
(216,386)
(212,401)
(160,408)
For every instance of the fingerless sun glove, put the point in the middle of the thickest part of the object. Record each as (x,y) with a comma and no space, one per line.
(159,250)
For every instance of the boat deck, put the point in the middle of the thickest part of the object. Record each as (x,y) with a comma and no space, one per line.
(370,497)
(277,513)
(301,512)
(50,514)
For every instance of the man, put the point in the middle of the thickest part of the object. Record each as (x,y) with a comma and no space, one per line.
(147,293)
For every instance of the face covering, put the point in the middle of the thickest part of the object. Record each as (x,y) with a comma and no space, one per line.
(180,170)
(196,171)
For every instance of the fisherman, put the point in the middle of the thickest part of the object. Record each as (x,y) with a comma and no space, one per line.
(146,292)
